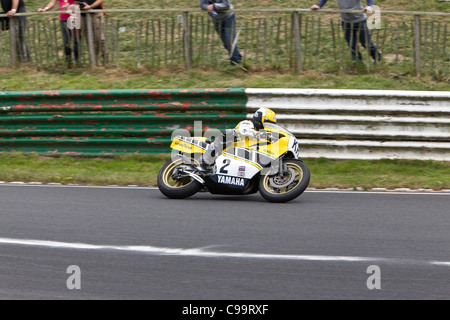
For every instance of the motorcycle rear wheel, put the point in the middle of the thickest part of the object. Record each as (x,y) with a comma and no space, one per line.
(275,188)
(176,188)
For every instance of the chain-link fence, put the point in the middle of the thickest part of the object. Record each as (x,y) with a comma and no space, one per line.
(289,40)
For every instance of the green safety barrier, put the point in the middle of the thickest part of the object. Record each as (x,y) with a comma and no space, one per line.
(112,122)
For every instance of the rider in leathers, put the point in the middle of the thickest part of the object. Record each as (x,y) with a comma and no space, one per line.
(245,129)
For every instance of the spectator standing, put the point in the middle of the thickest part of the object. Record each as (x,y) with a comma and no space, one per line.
(98,25)
(11,7)
(225,25)
(354,23)
(69,34)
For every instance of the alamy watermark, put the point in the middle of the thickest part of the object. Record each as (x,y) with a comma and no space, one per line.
(374,21)
(74,21)
(265,144)
(74,280)
(374,280)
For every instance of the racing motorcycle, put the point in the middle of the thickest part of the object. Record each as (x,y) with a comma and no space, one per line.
(268,164)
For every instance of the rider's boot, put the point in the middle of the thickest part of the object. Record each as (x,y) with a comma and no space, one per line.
(207,161)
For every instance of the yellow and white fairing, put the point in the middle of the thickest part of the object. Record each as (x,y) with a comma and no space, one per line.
(283,141)
(248,156)
(189,145)
(236,167)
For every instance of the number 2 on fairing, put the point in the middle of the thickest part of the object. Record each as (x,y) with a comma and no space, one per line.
(226,164)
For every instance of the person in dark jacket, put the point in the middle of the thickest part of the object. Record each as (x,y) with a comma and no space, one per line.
(11,7)
(98,26)
(352,23)
(225,25)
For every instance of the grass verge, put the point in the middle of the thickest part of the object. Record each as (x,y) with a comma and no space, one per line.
(143,170)
(28,79)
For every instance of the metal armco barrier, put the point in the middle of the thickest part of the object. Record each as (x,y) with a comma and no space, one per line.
(362,124)
(339,124)
(111,122)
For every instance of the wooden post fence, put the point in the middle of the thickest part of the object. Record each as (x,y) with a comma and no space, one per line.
(294,39)
(90,38)
(417,43)
(13,40)
(187,41)
(298,49)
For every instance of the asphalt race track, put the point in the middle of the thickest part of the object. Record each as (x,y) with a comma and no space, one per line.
(133,243)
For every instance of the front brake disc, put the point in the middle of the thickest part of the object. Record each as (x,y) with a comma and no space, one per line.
(282,182)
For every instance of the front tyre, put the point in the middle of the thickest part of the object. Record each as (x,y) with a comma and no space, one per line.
(176,188)
(276,188)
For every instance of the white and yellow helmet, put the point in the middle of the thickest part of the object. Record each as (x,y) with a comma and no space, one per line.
(263,116)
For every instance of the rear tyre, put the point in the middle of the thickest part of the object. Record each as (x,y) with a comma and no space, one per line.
(176,188)
(275,188)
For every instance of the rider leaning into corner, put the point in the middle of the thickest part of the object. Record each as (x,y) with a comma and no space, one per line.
(244,129)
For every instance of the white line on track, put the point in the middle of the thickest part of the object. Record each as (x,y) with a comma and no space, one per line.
(205,253)
(412,192)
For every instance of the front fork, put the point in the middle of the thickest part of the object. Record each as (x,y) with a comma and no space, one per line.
(278,167)
(282,167)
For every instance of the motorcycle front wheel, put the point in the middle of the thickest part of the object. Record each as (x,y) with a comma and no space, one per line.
(276,188)
(176,188)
